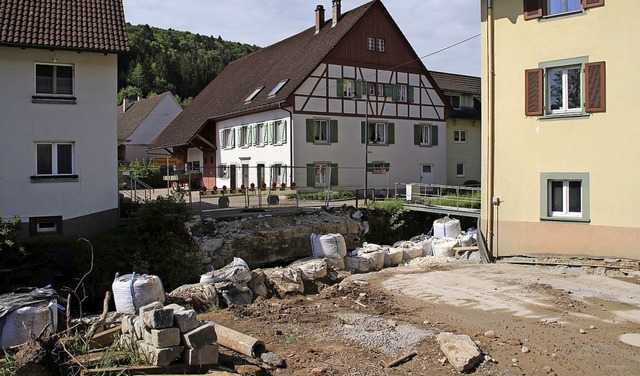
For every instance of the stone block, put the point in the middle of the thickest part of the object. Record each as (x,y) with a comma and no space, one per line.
(137,327)
(207,355)
(158,318)
(161,357)
(185,320)
(461,352)
(162,338)
(127,324)
(200,337)
(150,307)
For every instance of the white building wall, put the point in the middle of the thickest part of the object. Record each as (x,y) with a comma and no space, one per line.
(156,122)
(90,124)
(267,154)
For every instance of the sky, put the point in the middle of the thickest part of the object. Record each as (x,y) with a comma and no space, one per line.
(429,25)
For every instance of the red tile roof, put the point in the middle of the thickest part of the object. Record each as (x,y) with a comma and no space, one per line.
(93,25)
(293,58)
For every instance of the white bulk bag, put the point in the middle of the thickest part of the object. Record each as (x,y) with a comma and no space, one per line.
(357,264)
(286,280)
(311,268)
(337,264)
(377,259)
(426,245)
(411,253)
(331,246)
(446,228)
(132,291)
(465,240)
(17,326)
(393,257)
(444,247)
(208,277)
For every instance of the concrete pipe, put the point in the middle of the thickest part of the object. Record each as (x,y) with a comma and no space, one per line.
(239,342)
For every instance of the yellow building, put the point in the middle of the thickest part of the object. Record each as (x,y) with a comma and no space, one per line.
(560,147)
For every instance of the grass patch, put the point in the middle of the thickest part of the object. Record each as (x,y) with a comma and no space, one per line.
(470,200)
(321,196)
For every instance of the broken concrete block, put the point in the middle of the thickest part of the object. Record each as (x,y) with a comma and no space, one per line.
(200,337)
(162,338)
(158,318)
(137,327)
(460,350)
(161,357)
(185,320)
(207,355)
(175,307)
(127,324)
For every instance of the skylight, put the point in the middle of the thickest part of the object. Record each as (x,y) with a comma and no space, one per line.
(278,87)
(253,94)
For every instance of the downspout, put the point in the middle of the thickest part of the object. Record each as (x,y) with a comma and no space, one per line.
(290,142)
(491,129)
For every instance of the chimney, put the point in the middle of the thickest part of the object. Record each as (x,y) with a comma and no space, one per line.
(337,9)
(126,103)
(319,18)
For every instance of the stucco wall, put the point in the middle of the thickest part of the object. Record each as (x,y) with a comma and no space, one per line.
(600,144)
(90,124)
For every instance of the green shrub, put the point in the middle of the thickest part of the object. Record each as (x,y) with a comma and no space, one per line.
(320,196)
(146,171)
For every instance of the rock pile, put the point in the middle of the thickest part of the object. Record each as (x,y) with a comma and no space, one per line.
(166,334)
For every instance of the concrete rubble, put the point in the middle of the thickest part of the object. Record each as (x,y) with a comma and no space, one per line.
(461,352)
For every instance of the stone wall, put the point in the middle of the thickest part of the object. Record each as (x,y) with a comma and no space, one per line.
(271,239)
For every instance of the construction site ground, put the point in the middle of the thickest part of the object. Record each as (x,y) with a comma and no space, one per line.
(527,320)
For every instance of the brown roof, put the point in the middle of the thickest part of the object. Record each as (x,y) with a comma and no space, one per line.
(293,58)
(129,120)
(94,25)
(457,83)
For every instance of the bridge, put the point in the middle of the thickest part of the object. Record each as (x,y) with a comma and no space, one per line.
(441,199)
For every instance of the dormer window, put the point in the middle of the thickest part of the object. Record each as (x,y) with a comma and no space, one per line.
(253,94)
(279,86)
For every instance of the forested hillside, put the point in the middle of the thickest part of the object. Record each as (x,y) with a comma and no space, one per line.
(169,60)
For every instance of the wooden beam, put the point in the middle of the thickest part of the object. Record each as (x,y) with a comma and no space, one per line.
(206,141)
(172,369)
(105,338)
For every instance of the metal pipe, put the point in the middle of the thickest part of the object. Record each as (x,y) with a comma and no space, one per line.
(490,128)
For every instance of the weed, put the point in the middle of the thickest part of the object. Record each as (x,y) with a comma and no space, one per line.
(291,339)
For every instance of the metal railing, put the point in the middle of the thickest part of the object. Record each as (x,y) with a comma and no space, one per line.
(460,198)
(136,189)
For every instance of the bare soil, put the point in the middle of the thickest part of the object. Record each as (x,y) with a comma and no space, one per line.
(545,322)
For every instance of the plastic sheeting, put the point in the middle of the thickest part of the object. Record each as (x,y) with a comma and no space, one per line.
(27,311)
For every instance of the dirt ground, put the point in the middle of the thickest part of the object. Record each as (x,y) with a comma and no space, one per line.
(544,320)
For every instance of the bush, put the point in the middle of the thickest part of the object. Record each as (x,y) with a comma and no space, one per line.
(167,250)
(146,171)
(320,196)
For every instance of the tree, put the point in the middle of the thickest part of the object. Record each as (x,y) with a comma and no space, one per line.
(131,92)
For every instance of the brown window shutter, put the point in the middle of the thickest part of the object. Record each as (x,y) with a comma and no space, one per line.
(586,4)
(532,9)
(533,93)
(595,83)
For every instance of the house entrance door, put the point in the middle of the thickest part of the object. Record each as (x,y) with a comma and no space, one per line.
(245,175)
(426,173)
(232,176)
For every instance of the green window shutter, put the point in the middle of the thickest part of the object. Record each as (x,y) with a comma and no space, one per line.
(369,167)
(283,135)
(221,139)
(270,133)
(410,94)
(311,175)
(359,90)
(250,138)
(434,135)
(390,91)
(417,133)
(311,124)
(333,132)
(391,133)
(387,166)
(220,171)
(363,132)
(334,174)
(340,87)
(233,138)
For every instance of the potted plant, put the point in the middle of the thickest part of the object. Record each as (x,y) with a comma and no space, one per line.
(203,191)
(242,188)
(252,186)
(273,186)
(293,185)
(224,189)
(283,186)
(264,186)
(215,189)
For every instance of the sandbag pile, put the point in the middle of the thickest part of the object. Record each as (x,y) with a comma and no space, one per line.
(166,334)
(27,311)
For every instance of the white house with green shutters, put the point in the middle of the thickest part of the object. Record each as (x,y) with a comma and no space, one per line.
(317,108)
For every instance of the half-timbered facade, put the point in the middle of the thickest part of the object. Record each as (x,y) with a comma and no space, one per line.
(343,104)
